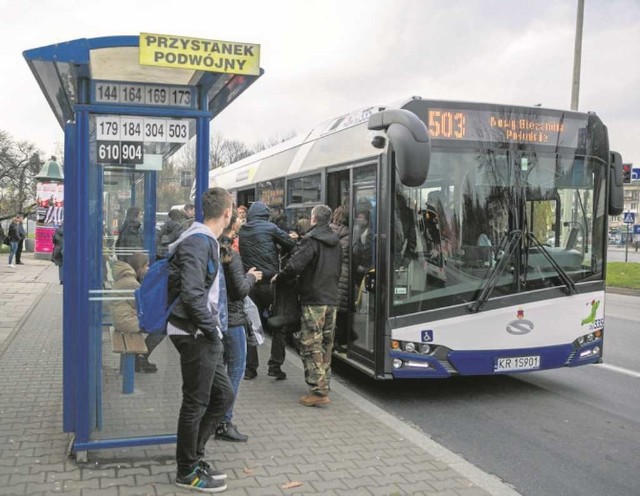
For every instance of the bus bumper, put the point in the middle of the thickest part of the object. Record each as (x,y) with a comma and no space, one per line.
(494,362)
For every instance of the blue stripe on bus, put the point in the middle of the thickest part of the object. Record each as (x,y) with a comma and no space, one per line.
(483,362)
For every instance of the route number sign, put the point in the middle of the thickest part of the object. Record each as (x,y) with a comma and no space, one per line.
(120,139)
(120,152)
(143,94)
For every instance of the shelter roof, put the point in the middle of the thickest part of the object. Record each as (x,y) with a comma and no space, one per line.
(58,69)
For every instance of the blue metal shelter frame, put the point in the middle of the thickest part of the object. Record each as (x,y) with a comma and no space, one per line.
(65,72)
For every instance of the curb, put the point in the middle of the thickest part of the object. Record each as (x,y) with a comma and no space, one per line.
(623,291)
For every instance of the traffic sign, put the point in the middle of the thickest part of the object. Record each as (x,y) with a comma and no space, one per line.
(636,229)
(629,218)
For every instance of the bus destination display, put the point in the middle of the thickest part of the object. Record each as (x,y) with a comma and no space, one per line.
(510,127)
(143,94)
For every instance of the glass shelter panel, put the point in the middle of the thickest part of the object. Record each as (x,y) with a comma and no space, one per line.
(132,184)
(477,207)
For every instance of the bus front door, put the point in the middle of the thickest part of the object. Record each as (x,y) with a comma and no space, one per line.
(363,222)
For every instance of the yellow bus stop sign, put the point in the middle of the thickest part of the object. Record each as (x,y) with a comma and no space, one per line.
(181,52)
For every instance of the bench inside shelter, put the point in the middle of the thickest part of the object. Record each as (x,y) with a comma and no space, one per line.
(128,345)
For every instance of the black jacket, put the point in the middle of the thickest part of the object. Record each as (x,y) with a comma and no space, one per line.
(14,232)
(130,234)
(169,232)
(317,262)
(190,278)
(343,282)
(58,246)
(238,282)
(259,241)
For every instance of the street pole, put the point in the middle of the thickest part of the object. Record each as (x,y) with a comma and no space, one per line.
(626,245)
(575,87)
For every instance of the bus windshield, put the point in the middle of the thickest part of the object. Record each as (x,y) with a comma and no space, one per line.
(449,235)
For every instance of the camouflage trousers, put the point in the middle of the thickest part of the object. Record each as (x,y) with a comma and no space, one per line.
(316,345)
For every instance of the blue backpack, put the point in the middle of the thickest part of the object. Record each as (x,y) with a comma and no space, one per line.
(152,296)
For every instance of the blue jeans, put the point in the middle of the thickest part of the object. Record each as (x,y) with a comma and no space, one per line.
(206,395)
(13,246)
(235,358)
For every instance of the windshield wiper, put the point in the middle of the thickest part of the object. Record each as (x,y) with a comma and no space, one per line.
(564,277)
(513,239)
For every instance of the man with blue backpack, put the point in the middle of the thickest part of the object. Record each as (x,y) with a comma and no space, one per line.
(195,325)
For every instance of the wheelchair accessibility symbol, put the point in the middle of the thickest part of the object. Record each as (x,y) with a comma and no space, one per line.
(426,336)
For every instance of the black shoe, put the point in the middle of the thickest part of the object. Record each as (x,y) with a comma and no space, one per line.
(19,263)
(278,373)
(200,480)
(143,365)
(226,431)
(250,374)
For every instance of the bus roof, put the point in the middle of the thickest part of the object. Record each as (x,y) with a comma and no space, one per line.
(342,139)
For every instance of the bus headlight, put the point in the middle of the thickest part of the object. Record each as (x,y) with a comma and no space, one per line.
(587,339)
(425,349)
(397,363)
(409,347)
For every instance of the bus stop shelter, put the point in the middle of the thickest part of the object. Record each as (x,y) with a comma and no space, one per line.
(126,104)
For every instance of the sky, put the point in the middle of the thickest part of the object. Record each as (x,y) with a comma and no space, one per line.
(325,58)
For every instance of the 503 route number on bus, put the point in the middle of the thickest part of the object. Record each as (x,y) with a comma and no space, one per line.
(508,364)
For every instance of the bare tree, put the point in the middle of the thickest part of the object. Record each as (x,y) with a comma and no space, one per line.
(185,158)
(234,150)
(216,151)
(19,163)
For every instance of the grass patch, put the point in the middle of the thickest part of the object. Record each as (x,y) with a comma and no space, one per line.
(623,275)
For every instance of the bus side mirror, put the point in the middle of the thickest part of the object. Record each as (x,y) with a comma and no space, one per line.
(616,184)
(409,140)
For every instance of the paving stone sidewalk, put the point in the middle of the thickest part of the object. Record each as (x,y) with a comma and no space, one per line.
(350,447)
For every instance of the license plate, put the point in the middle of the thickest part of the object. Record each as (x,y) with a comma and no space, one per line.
(507,364)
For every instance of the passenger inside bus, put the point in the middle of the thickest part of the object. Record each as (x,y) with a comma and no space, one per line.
(405,231)
(362,238)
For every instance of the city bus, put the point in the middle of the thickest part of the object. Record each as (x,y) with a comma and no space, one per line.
(486,252)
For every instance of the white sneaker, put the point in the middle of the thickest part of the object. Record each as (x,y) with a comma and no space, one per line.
(12,265)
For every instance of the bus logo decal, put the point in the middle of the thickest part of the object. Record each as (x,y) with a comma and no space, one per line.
(426,336)
(590,319)
(521,325)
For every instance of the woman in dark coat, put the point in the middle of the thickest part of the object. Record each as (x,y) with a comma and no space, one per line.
(340,226)
(13,234)
(130,232)
(235,336)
